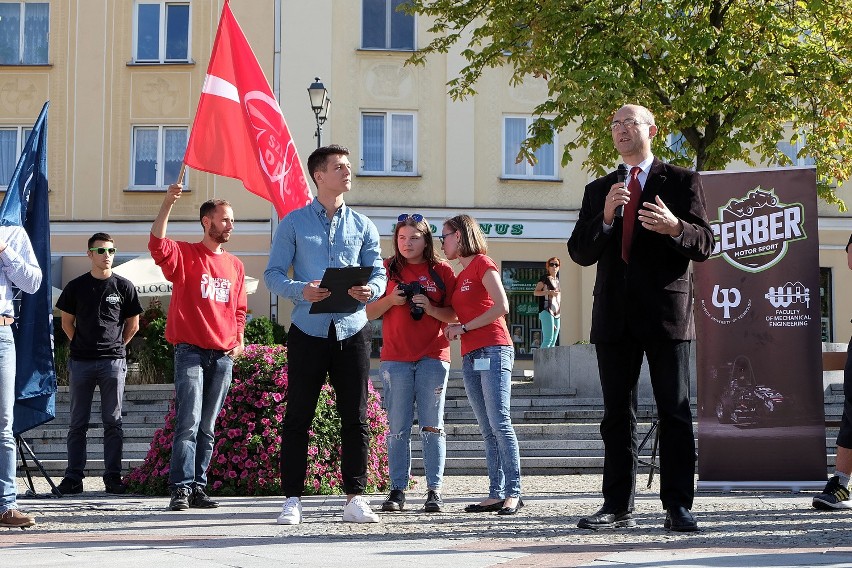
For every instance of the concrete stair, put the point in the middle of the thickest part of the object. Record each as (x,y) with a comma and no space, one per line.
(557,433)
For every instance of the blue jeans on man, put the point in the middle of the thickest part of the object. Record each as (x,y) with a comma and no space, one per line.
(8,457)
(202,379)
(405,384)
(108,375)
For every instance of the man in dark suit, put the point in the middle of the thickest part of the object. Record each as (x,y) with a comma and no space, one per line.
(643,305)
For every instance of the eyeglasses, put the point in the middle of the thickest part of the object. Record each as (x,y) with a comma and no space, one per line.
(102,250)
(626,123)
(556,264)
(443,236)
(416,217)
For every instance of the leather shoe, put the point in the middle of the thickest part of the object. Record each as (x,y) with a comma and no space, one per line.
(512,510)
(477,508)
(608,518)
(680,519)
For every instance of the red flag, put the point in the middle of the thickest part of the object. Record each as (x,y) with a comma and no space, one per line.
(239,130)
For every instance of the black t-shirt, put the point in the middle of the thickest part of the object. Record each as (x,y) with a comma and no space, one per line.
(543,303)
(100,308)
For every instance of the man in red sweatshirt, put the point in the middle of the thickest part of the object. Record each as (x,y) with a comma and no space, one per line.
(207,316)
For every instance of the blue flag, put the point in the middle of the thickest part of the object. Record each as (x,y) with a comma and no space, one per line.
(26,205)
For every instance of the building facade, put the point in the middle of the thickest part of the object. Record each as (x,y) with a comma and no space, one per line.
(124,78)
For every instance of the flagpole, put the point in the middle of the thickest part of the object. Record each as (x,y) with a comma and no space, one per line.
(181,173)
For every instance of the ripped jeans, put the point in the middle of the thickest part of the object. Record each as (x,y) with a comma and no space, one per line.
(405,384)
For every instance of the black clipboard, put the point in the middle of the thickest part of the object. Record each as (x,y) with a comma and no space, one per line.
(338,281)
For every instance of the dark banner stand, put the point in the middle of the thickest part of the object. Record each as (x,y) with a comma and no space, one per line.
(27,469)
(761,421)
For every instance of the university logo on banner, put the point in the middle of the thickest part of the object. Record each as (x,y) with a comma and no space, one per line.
(760,396)
(753,231)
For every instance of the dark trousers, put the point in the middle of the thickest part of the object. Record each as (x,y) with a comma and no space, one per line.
(619,364)
(108,375)
(347,365)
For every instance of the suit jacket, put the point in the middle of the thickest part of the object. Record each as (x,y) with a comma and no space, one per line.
(652,295)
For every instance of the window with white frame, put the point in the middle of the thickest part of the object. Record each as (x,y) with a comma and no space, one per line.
(383,26)
(388,143)
(24,33)
(792,151)
(515,131)
(157,155)
(161,32)
(12,139)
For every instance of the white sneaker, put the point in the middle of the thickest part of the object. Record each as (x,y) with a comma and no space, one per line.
(291,513)
(358,511)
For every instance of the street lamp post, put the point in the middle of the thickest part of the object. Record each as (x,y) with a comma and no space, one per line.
(320,102)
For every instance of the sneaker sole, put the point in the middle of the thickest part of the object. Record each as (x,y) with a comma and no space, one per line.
(827,506)
(288,522)
(628,524)
(364,521)
(432,508)
(179,507)
(392,507)
(192,506)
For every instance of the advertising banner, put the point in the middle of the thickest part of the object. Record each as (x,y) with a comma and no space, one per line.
(759,353)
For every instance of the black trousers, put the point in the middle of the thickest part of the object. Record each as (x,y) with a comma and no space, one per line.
(346,363)
(619,364)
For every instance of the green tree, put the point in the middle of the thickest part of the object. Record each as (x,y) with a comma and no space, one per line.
(732,76)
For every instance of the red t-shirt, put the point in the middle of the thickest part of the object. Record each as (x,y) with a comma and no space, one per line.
(471,299)
(405,339)
(208,305)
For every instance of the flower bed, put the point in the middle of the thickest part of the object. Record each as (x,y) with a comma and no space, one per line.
(248,440)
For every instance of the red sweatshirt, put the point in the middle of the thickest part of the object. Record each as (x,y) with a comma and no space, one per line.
(208,305)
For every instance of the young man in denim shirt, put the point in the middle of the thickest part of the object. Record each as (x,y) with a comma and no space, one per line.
(322,235)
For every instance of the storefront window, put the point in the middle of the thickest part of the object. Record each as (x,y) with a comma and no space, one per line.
(826,305)
(519,280)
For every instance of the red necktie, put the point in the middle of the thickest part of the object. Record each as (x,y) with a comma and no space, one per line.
(631,212)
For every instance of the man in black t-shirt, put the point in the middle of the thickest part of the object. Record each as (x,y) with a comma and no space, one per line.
(100,315)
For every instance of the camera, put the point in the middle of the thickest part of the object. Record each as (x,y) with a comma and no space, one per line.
(410,290)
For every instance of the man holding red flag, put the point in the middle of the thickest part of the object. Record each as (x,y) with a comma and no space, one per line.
(239,130)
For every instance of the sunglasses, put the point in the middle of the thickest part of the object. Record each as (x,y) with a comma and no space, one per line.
(102,250)
(416,217)
(443,236)
(556,264)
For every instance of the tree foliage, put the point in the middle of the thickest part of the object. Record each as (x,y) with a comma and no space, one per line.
(734,77)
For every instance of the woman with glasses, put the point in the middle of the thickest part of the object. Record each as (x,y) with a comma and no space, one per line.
(480,303)
(415,356)
(548,294)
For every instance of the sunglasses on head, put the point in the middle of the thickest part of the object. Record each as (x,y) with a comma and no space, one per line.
(556,264)
(101,250)
(416,217)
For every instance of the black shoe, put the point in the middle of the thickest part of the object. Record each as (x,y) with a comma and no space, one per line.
(512,510)
(680,519)
(198,499)
(180,499)
(834,496)
(70,487)
(477,508)
(434,503)
(608,518)
(395,501)
(114,485)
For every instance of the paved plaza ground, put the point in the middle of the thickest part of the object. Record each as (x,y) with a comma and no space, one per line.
(738,529)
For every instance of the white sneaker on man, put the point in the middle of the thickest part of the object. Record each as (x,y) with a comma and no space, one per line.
(291,513)
(358,511)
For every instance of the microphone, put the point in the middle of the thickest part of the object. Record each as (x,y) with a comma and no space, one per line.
(621,173)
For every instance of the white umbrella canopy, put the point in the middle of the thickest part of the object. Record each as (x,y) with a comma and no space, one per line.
(149,279)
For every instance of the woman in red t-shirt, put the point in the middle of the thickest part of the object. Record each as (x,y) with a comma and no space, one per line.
(415,356)
(487,358)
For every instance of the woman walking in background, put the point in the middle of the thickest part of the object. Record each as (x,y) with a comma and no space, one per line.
(480,303)
(415,356)
(549,295)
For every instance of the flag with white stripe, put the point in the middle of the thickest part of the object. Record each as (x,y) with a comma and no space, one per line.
(239,130)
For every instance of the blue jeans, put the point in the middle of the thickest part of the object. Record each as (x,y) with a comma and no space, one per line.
(8,457)
(108,375)
(549,328)
(405,384)
(202,379)
(488,381)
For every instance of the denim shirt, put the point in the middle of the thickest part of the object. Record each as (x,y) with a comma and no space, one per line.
(310,242)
